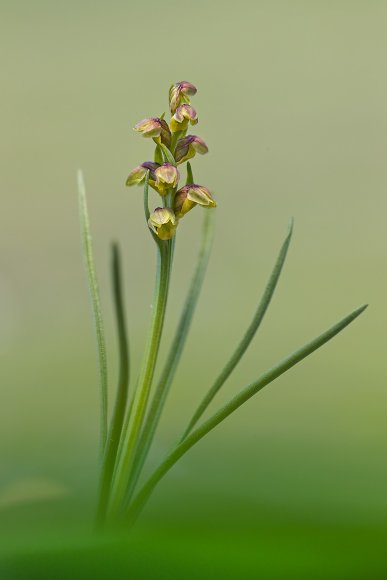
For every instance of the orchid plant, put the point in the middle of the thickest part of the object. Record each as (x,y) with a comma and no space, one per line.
(128,432)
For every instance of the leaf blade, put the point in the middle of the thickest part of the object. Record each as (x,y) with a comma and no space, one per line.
(118,416)
(96,308)
(225,411)
(249,334)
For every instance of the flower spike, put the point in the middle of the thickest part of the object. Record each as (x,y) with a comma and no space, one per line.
(163,223)
(189,196)
(188,146)
(180,93)
(156,128)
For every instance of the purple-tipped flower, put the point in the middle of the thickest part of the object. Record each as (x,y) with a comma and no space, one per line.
(189,196)
(184,114)
(188,146)
(156,128)
(180,93)
(167,177)
(163,223)
(137,175)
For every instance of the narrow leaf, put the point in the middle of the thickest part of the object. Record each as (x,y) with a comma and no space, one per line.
(248,392)
(117,420)
(249,335)
(96,307)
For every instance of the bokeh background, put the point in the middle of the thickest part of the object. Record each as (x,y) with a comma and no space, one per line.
(292,103)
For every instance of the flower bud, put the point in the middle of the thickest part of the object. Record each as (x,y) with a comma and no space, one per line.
(163,223)
(184,114)
(156,128)
(180,93)
(137,175)
(188,146)
(167,176)
(189,196)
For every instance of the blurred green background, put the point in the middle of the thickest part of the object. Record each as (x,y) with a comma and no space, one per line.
(292,103)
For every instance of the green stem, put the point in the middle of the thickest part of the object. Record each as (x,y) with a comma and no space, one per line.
(122,391)
(175,352)
(269,376)
(132,428)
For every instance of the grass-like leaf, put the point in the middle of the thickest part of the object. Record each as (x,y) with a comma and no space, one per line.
(175,351)
(248,392)
(117,419)
(96,306)
(249,334)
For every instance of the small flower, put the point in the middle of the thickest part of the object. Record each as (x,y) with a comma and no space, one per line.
(167,176)
(137,175)
(163,223)
(188,146)
(184,114)
(156,128)
(180,93)
(189,196)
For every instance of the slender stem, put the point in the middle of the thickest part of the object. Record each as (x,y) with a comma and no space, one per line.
(132,428)
(175,352)
(96,306)
(122,391)
(248,336)
(269,376)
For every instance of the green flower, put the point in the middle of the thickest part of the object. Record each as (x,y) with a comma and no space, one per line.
(188,146)
(156,128)
(163,223)
(189,196)
(167,177)
(180,93)
(137,175)
(184,114)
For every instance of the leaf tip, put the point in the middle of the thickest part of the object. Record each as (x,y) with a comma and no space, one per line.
(291,226)
(81,183)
